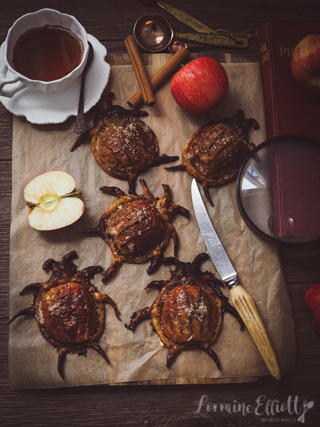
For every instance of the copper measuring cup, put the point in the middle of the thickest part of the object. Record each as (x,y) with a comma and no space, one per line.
(154,34)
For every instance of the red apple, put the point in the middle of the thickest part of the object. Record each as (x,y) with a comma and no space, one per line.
(312,302)
(200,85)
(305,63)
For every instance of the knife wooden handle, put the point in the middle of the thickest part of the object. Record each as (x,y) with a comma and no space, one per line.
(249,314)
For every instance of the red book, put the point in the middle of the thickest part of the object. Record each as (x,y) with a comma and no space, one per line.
(295,180)
(289,109)
(295,174)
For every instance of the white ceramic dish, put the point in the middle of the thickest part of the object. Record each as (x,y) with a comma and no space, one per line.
(55,107)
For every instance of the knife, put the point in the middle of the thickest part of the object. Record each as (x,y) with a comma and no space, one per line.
(241,300)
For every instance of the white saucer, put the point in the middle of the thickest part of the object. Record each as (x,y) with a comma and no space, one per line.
(55,107)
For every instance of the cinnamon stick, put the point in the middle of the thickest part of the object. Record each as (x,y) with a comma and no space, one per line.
(161,75)
(140,71)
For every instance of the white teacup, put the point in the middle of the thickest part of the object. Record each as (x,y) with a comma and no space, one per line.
(41,18)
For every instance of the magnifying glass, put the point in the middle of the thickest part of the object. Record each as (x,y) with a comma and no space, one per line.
(278,190)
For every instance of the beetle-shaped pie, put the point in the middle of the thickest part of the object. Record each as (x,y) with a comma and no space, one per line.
(214,153)
(69,310)
(122,144)
(188,311)
(138,228)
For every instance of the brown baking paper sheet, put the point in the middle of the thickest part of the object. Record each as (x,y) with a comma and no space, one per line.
(138,357)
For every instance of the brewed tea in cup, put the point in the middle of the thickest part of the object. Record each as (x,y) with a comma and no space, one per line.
(46,50)
(47,53)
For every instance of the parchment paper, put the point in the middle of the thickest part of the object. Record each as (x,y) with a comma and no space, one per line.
(138,357)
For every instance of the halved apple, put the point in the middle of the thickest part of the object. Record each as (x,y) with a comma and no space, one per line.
(52,200)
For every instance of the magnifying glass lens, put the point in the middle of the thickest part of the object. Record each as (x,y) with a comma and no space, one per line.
(278,190)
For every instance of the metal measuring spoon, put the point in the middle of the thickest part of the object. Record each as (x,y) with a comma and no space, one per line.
(154,34)
(80,124)
(176,45)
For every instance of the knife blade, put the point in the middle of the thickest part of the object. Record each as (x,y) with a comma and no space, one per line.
(241,300)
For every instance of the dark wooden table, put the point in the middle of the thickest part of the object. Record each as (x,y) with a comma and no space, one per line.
(110,22)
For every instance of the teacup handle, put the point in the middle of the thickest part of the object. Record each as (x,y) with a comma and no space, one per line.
(4,80)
